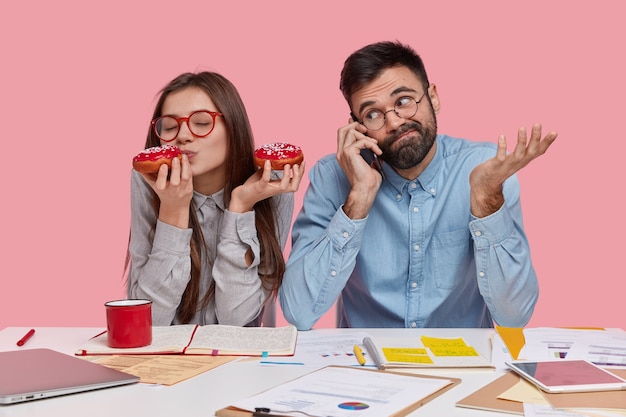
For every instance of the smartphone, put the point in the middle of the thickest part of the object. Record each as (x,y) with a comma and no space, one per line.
(372,160)
(567,376)
(370,157)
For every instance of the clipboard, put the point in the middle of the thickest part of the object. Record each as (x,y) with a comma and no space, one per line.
(231,411)
(486,398)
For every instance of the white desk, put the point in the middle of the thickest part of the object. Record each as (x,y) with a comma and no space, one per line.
(204,394)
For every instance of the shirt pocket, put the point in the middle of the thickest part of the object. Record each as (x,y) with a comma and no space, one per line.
(451,257)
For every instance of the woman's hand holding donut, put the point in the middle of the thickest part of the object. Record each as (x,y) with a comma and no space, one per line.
(260,186)
(175,192)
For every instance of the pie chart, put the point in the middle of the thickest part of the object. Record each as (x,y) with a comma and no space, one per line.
(353,406)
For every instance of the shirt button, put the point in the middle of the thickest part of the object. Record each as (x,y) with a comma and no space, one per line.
(413,185)
(414,285)
(346,234)
(432,190)
(333,273)
(478,233)
(413,324)
(416,209)
(481,274)
(416,247)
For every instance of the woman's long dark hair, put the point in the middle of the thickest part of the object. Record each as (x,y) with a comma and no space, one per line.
(239,167)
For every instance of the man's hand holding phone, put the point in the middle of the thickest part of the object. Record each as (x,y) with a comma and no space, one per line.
(370,157)
(373,160)
(365,180)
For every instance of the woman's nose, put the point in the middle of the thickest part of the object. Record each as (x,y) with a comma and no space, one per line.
(184,134)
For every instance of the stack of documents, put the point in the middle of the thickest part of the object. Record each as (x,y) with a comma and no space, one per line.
(510,393)
(605,348)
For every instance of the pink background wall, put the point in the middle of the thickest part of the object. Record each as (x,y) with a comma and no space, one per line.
(78,85)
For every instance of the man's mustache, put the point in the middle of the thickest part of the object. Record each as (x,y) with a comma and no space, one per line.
(417,126)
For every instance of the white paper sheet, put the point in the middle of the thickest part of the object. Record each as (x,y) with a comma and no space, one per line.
(317,351)
(339,391)
(605,348)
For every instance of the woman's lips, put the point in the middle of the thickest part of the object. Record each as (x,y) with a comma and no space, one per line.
(189,154)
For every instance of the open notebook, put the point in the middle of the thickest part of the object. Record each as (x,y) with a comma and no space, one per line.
(33,374)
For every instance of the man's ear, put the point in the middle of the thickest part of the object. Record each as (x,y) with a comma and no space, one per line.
(434,98)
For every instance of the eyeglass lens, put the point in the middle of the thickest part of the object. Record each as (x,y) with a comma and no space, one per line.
(405,107)
(200,124)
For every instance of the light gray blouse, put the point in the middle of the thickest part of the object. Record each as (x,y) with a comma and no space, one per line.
(160,265)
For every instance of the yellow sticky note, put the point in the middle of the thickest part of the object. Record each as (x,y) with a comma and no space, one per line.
(407,355)
(454,351)
(399,357)
(404,351)
(441,342)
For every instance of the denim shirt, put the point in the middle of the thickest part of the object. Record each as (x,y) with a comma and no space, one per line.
(419,259)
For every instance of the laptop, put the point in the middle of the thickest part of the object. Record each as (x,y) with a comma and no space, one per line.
(33,374)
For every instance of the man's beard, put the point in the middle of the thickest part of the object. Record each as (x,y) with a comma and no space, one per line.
(414,149)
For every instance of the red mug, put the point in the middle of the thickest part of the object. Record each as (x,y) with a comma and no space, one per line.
(129,323)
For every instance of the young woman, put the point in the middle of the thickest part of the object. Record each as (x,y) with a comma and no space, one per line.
(207,236)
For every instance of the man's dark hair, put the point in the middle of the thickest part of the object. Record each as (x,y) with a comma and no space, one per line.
(369,62)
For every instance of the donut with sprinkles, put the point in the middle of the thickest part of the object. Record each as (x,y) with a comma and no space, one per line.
(279,154)
(150,160)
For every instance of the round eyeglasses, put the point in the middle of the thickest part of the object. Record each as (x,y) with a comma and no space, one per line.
(405,107)
(200,123)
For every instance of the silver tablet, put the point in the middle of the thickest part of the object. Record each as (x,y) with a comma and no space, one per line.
(568,376)
(33,374)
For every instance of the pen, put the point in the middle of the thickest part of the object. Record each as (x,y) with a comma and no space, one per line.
(358,353)
(371,349)
(26,337)
(264,412)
